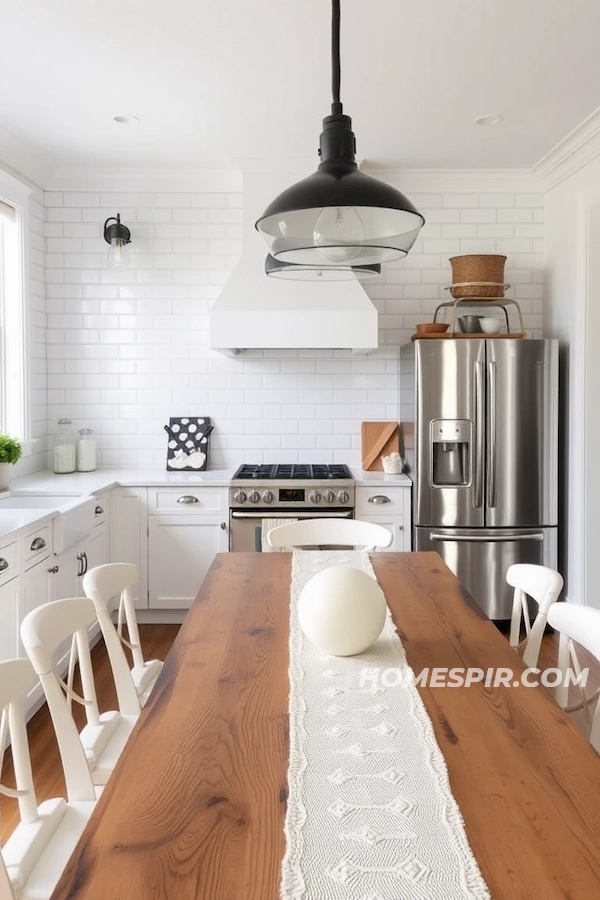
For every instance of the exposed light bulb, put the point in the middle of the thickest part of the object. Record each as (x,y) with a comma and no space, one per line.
(338,234)
(118,254)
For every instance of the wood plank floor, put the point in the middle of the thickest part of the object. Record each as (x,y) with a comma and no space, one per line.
(156,641)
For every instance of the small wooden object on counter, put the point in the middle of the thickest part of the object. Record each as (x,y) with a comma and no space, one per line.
(378,439)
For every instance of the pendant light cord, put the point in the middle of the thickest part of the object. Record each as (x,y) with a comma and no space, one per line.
(336,106)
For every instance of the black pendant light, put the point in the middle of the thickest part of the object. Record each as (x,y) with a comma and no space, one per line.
(339,216)
(276,268)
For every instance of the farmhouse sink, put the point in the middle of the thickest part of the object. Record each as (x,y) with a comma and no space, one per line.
(75,517)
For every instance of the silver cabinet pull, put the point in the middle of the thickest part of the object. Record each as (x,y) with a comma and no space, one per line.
(38,543)
(80,566)
(98,511)
(379,498)
(223,526)
(187,498)
(3,564)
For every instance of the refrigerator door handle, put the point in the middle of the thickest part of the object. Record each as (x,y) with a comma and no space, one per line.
(481,538)
(479,434)
(493,425)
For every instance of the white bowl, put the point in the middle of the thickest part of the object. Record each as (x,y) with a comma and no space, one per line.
(490,325)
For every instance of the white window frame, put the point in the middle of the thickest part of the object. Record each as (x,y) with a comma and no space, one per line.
(15,416)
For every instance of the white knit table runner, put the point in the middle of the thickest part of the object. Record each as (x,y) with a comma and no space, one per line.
(370,813)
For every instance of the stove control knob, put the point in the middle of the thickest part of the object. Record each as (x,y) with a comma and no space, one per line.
(329,496)
(268,497)
(314,497)
(254,497)
(343,496)
(240,496)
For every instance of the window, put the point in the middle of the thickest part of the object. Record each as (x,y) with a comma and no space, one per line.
(12,323)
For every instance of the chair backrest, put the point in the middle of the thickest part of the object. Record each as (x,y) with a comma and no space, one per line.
(43,631)
(544,586)
(579,624)
(330,532)
(17,678)
(101,584)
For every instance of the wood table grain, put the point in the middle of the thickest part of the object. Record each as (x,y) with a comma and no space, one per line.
(195,808)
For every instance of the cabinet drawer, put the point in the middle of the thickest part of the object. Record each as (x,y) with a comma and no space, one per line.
(188,501)
(37,545)
(381,501)
(9,561)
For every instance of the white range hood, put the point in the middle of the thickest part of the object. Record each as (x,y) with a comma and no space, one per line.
(256,312)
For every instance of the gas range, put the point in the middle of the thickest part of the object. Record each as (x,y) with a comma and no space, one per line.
(292,487)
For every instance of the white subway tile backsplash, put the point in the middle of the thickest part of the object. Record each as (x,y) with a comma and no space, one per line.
(128,349)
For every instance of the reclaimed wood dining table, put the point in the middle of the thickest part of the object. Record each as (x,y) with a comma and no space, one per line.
(195,807)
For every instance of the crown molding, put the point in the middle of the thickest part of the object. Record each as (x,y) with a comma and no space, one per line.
(574,151)
(205,181)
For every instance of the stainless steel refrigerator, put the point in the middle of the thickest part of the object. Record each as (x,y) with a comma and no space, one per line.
(486,446)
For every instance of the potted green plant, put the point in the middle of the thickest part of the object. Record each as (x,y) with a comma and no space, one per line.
(10,453)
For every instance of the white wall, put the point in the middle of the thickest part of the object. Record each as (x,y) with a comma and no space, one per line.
(126,350)
(567,208)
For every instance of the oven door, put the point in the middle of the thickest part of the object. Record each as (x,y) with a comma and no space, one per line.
(245,532)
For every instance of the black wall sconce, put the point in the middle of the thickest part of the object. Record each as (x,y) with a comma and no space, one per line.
(118,236)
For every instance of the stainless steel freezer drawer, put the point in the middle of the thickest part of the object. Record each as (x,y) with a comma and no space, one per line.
(480,557)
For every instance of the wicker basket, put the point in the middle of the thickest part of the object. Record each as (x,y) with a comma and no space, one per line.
(477,275)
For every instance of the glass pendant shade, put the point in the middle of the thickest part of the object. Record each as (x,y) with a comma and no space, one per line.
(276,268)
(118,255)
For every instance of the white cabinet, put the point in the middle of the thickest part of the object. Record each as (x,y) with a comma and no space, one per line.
(388,506)
(186,528)
(129,535)
(9,616)
(67,570)
(181,550)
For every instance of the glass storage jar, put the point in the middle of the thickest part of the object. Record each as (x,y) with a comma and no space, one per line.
(64,455)
(86,450)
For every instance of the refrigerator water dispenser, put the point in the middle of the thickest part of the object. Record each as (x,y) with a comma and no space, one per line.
(450,452)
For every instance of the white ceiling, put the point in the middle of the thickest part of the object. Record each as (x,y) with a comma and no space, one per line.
(213,80)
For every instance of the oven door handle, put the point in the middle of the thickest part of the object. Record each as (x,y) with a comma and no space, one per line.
(235,514)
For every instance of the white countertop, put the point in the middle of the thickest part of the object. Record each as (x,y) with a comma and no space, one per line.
(79,483)
(376,479)
(105,478)
(13,521)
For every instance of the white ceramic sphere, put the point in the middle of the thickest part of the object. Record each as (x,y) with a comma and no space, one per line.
(342,610)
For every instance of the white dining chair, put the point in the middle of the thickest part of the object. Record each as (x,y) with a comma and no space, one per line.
(34,856)
(330,533)
(103,583)
(543,585)
(44,632)
(581,625)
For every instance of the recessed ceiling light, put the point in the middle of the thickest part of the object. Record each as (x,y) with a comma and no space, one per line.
(126,120)
(489,120)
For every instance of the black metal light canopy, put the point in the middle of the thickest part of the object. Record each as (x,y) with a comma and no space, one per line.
(339,216)
(277,268)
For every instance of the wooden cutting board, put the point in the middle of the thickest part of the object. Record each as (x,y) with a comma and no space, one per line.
(378,439)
